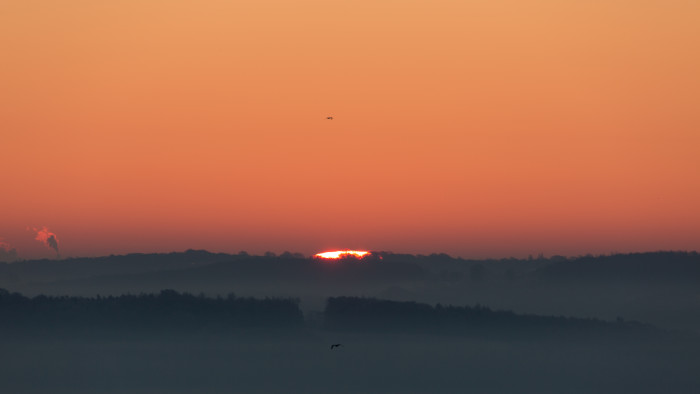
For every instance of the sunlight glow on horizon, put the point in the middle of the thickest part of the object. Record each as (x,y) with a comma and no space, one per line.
(341,253)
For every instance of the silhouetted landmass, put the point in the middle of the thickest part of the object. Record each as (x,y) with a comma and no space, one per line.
(84,267)
(371,314)
(656,266)
(660,288)
(662,265)
(194,266)
(348,269)
(381,266)
(171,312)
(163,313)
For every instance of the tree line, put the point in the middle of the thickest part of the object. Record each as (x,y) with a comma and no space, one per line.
(173,312)
(167,311)
(376,315)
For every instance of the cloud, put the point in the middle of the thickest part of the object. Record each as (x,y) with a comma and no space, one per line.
(47,238)
(7,252)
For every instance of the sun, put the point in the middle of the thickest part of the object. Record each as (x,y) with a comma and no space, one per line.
(342,253)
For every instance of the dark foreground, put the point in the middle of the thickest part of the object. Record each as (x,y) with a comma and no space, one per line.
(367,363)
(171,342)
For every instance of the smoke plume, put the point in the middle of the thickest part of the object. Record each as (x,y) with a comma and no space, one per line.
(47,238)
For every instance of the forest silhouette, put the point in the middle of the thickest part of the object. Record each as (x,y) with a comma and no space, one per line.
(407,323)
(171,312)
(162,313)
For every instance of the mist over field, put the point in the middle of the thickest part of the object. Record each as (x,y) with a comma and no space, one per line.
(193,321)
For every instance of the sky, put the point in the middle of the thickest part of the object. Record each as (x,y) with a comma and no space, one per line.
(476,128)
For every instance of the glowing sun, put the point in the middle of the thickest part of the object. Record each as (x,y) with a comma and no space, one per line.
(341,253)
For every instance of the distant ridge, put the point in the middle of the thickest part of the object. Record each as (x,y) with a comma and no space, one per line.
(201,265)
(683,266)
(84,267)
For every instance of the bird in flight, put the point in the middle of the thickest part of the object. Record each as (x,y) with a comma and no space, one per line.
(329,117)
(335,345)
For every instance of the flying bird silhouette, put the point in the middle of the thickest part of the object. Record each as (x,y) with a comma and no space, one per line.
(335,345)
(329,117)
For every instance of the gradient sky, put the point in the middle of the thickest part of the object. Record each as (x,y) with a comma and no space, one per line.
(480,128)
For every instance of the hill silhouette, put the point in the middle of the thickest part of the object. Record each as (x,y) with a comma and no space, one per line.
(162,313)
(660,288)
(652,266)
(381,266)
(376,315)
(171,312)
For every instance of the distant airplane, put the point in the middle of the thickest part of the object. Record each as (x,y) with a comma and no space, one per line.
(329,117)
(336,345)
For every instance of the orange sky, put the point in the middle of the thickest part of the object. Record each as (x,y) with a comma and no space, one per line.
(472,127)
